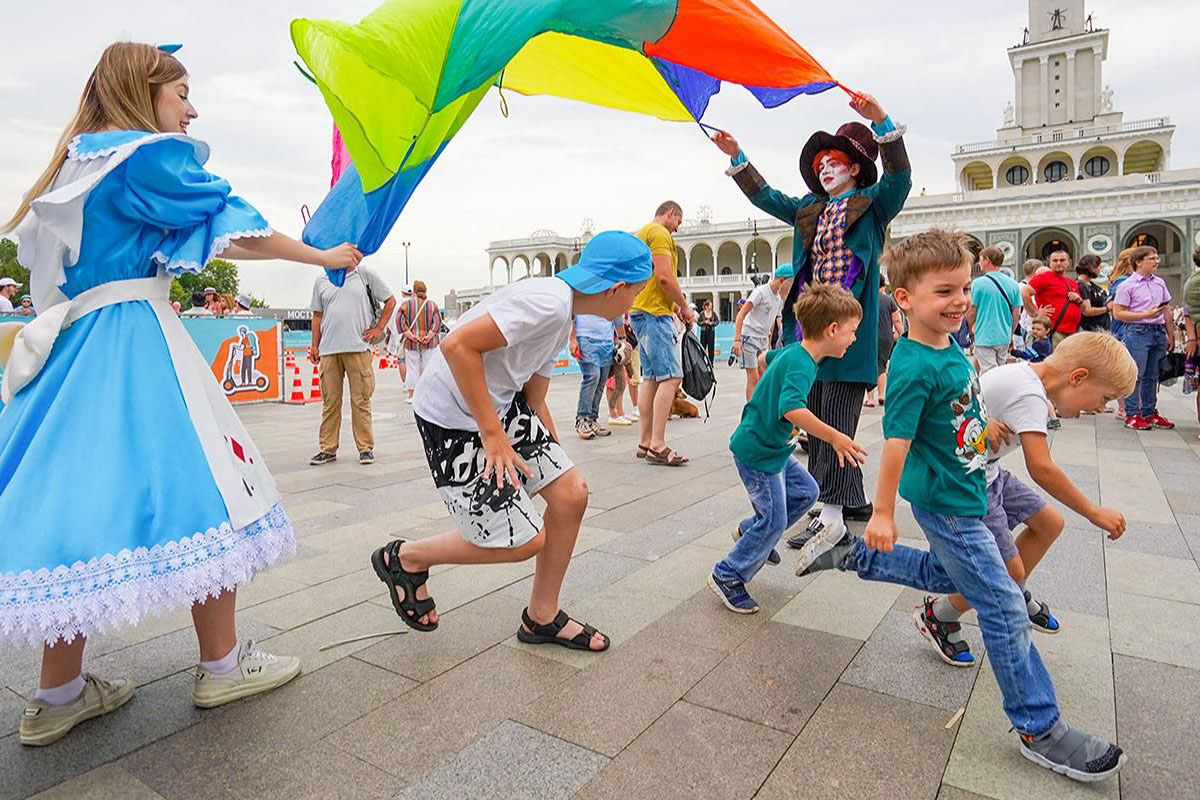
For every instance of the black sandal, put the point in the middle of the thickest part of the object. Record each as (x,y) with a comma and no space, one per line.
(548,634)
(410,609)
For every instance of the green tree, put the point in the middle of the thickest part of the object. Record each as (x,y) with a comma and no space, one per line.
(10,267)
(220,274)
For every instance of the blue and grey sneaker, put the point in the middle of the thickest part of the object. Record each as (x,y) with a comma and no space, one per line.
(1041,619)
(733,594)
(937,633)
(772,557)
(1073,753)
(833,558)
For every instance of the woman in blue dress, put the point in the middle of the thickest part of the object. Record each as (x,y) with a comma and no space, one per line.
(128,486)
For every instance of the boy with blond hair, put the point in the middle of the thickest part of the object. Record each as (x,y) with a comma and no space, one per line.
(780,489)
(1083,374)
(935,455)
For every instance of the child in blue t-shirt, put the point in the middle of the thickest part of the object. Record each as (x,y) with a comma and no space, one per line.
(780,489)
(935,454)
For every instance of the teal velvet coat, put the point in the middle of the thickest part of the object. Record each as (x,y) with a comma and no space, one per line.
(868,214)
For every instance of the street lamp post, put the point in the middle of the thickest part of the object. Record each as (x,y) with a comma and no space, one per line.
(406,246)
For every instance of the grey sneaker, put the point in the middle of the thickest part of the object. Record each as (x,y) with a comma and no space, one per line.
(583,429)
(1074,753)
(45,724)
(599,429)
(366,457)
(833,558)
(257,671)
(821,542)
(322,458)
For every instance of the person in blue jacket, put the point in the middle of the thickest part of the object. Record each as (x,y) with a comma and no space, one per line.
(839,232)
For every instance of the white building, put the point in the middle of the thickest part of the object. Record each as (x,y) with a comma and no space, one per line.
(1064,171)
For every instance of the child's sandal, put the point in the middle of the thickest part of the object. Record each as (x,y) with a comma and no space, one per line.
(409,609)
(533,633)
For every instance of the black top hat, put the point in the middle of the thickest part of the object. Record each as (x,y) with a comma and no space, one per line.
(855,140)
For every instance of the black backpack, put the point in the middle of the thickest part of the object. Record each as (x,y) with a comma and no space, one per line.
(699,382)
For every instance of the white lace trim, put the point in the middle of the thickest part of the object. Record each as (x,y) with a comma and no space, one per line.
(892,136)
(219,245)
(116,591)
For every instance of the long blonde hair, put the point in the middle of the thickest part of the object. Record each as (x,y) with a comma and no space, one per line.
(1123,266)
(118,94)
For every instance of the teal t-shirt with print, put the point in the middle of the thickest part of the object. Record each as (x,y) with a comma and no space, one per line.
(763,439)
(933,399)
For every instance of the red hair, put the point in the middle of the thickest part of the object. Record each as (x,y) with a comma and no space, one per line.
(834,154)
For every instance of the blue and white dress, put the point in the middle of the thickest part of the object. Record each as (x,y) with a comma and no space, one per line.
(128,486)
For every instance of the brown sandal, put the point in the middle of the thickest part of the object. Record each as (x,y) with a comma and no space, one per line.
(642,450)
(665,457)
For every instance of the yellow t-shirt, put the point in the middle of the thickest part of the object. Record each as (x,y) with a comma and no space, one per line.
(652,299)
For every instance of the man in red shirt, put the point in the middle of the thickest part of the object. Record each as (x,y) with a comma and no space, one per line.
(1056,296)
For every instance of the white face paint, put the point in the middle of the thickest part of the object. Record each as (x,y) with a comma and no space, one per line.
(834,176)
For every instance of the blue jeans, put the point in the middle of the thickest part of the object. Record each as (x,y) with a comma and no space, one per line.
(658,344)
(779,500)
(596,358)
(1147,344)
(963,557)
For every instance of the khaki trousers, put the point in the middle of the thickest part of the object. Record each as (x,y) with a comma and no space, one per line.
(361,373)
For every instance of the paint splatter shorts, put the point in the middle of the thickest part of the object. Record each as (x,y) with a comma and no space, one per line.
(488,516)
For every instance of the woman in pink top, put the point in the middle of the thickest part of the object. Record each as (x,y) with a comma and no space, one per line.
(1141,302)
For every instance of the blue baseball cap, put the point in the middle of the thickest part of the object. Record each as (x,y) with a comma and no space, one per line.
(611,257)
(785,271)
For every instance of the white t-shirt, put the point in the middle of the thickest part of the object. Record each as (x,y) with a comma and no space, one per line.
(1014,394)
(346,310)
(197,311)
(760,319)
(5,304)
(534,315)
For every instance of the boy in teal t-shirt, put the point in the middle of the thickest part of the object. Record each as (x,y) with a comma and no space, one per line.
(935,453)
(780,489)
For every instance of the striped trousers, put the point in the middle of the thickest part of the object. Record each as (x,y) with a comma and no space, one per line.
(839,406)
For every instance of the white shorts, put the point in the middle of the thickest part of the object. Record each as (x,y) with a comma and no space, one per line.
(487,516)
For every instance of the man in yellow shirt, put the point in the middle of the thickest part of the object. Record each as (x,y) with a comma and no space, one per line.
(652,317)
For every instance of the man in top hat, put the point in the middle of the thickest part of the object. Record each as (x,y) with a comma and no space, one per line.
(8,289)
(839,234)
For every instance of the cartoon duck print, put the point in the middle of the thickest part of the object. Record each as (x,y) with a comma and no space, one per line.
(970,422)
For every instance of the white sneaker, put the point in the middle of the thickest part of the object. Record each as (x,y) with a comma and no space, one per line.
(44,723)
(257,671)
(408,399)
(621,420)
(822,542)
(634,416)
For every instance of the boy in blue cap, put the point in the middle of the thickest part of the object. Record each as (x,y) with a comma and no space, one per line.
(491,442)
(780,489)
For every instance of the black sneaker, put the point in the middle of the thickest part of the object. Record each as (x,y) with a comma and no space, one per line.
(858,513)
(1074,753)
(936,632)
(772,557)
(322,458)
(798,541)
(366,457)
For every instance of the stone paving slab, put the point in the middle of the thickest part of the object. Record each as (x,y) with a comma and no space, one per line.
(883,748)
(109,782)
(1155,629)
(1156,718)
(691,752)
(840,603)
(511,761)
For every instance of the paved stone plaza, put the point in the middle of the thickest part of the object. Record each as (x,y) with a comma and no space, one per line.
(827,692)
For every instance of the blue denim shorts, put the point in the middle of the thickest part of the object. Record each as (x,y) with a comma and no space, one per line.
(658,344)
(1009,503)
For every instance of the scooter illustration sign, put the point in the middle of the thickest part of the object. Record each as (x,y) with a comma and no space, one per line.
(243,353)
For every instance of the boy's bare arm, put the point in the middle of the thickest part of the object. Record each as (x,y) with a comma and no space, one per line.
(535,393)
(881,531)
(845,447)
(463,350)
(1049,476)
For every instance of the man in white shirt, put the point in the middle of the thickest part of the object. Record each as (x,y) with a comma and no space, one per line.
(343,328)
(756,321)
(198,309)
(8,289)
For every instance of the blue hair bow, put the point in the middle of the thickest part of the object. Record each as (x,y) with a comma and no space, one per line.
(169,48)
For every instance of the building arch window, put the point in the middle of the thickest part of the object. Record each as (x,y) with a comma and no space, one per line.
(1055,171)
(1017,175)
(1097,166)
(1144,240)
(726,271)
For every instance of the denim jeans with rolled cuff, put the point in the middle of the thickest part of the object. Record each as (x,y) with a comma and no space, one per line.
(596,358)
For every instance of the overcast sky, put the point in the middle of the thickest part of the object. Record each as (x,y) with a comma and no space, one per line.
(939,67)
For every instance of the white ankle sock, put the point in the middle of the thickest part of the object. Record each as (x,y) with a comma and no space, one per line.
(61,695)
(830,514)
(223,665)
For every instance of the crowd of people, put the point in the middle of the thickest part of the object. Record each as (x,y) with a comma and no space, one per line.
(814,342)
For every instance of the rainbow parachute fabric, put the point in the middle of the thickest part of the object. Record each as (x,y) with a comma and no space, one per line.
(403,81)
